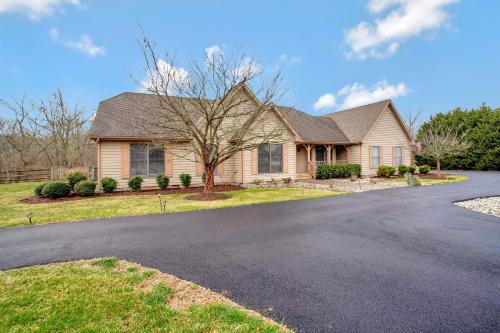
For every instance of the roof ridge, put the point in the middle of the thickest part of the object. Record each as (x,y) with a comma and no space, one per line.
(357,107)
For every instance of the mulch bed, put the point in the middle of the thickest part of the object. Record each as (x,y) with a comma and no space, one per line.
(198,189)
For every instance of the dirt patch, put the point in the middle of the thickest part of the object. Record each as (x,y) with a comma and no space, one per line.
(198,189)
(203,197)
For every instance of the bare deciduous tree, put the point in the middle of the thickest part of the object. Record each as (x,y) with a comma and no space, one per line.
(437,143)
(21,134)
(211,106)
(65,131)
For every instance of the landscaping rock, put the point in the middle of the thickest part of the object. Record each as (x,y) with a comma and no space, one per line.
(490,206)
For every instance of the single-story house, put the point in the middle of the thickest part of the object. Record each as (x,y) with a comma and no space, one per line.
(370,135)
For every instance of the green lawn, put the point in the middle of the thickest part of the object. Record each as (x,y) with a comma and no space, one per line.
(451,179)
(13,212)
(107,295)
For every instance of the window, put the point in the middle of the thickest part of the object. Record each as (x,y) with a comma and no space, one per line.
(398,158)
(270,158)
(146,161)
(320,154)
(375,157)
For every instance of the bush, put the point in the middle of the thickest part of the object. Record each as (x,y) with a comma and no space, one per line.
(55,190)
(258,181)
(412,169)
(108,184)
(287,180)
(85,188)
(135,183)
(385,171)
(424,169)
(185,179)
(402,169)
(341,170)
(38,189)
(75,177)
(162,181)
(412,180)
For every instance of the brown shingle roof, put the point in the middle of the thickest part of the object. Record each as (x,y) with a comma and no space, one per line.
(313,128)
(129,115)
(357,122)
(125,116)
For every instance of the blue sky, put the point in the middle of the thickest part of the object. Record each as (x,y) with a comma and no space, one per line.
(431,55)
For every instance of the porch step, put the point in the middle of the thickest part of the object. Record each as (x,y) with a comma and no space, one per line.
(304,176)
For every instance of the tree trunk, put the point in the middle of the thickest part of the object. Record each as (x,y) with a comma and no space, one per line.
(438,166)
(208,189)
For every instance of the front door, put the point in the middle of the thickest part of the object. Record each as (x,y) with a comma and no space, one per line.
(320,154)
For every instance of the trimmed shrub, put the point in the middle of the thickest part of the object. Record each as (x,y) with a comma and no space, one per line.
(185,179)
(287,180)
(85,188)
(402,169)
(162,181)
(75,177)
(424,169)
(135,183)
(108,184)
(341,170)
(55,190)
(385,171)
(38,189)
(412,169)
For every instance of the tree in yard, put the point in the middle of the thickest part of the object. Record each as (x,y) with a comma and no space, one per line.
(210,105)
(438,143)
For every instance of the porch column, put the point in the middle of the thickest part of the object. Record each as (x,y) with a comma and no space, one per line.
(328,153)
(334,155)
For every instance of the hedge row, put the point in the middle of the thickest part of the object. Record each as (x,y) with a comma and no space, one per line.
(341,170)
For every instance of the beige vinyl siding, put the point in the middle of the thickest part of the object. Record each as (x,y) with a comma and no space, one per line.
(386,133)
(270,119)
(354,154)
(111,165)
(301,160)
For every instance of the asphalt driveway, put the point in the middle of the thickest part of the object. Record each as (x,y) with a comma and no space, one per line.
(397,260)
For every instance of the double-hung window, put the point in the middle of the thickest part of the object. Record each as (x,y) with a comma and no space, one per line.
(375,162)
(146,161)
(270,158)
(398,156)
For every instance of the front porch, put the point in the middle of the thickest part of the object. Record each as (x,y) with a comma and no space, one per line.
(309,156)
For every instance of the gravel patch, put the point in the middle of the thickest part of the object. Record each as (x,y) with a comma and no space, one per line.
(336,185)
(490,206)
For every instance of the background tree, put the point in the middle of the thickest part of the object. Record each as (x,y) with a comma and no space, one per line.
(41,134)
(64,131)
(20,135)
(210,106)
(481,128)
(438,143)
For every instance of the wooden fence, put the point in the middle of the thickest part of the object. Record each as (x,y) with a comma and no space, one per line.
(18,176)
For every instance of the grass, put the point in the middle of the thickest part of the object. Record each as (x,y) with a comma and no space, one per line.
(13,212)
(451,179)
(86,296)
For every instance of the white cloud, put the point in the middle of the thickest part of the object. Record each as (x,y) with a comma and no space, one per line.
(408,18)
(247,69)
(35,9)
(212,53)
(178,77)
(84,44)
(325,102)
(357,94)
(290,60)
